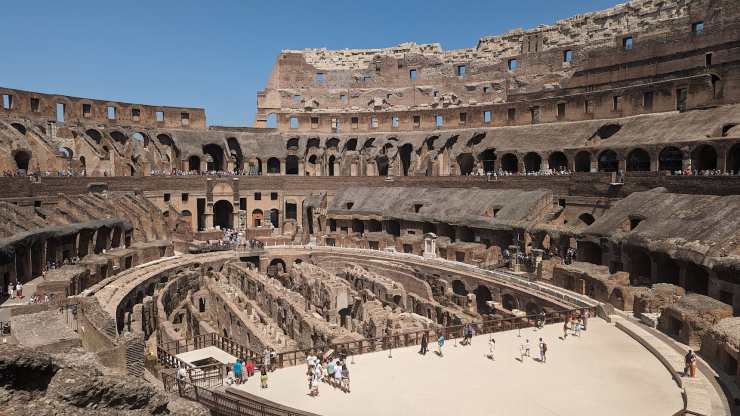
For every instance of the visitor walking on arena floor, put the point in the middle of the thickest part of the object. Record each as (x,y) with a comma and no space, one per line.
(690,364)
(238,371)
(585,318)
(440,344)
(565,327)
(543,351)
(19,290)
(11,292)
(491,347)
(249,367)
(345,378)
(424,342)
(263,378)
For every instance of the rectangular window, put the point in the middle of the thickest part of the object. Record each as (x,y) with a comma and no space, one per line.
(166,197)
(511,114)
(86,110)
(588,106)
(185,119)
(335,124)
(60,112)
(394,121)
(438,121)
(697,28)
(513,64)
(314,122)
(561,111)
(343,98)
(184,197)
(258,196)
(486,90)
(647,100)
(463,118)
(111,112)
(320,78)
(136,114)
(627,43)
(273,196)
(535,113)
(293,122)
(374,122)
(355,122)
(682,95)
(296,98)
(461,70)
(35,104)
(417,122)
(487,117)
(243,204)
(412,74)
(568,56)
(616,103)
(7,101)
(159,116)
(708,60)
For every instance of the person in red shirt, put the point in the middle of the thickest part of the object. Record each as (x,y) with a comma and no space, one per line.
(250,368)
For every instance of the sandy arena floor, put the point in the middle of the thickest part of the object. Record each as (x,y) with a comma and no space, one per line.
(604,372)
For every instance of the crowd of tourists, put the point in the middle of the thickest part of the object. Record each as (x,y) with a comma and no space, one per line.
(218,173)
(22,173)
(328,368)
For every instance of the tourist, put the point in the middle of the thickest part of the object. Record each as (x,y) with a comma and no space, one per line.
(273,359)
(310,363)
(313,386)
(491,347)
(345,378)
(330,371)
(338,372)
(543,351)
(585,319)
(238,371)
(182,374)
(440,344)
(690,364)
(11,291)
(266,356)
(577,327)
(565,327)
(19,290)
(249,368)
(424,342)
(543,318)
(263,378)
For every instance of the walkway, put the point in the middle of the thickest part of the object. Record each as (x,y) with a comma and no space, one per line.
(604,372)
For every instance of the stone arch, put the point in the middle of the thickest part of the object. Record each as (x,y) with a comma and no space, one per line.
(257,217)
(66,152)
(638,160)
(223,214)
(293,144)
(482,297)
(532,308)
(351,144)
(95,135)
(214,157)
(22,159)
(273,165)
(532,162)
(194,163)
(235,151)
(404,153)
(458,287)
(618,298)
(358,226)
(466,162)
(733,159)
(670,159)
(510,163)
(488,158)
(291,165)
(332,161)
(509,302)
(667,270)
(704,157)
(608,161)
(583,161)
(332,143)
(118,137)
(279,265)
(382,163)
(640,268)
(558,161)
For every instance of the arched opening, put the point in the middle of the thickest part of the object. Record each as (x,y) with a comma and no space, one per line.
(697,279)
(201,305)
(589,252)
(704,158)
(293,144)
(141,138)
(640,268)
(223,214)
(214,156)
(482,297)
(194,164)
(532,162)
(291,165)
(608,161)
(275,217)
(382,162)
(586,218)
(509,302)
(95,135)
(235,150)
(466,163)
(557,161)
(22,160)
(404,153)
(273,165)
(733,159)
(257,217)
(271,121)
(351,145)
(667,270)
(458,288)
(510,163)
(532,309)
(583,161)
(670,159)
(118,137)
(276,266)
(332,161)
(393,228)
(374,226)
(488,157)
(358,226)
(83,165)
(638,160)
(20,127)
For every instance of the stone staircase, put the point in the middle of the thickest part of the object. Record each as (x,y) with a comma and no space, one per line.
(135,354)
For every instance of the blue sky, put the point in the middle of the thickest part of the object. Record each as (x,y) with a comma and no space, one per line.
(218,54)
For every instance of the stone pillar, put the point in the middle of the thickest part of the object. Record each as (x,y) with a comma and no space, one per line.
(282,166)
(301,168)
(722,159)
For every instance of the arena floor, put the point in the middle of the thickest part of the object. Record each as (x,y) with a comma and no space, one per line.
(603,372)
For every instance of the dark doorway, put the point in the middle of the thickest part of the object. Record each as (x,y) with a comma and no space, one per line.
(223,215)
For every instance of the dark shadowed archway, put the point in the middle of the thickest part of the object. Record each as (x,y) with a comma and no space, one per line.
(583,161)
(670,159)
(638,160)
(466,163)
(223,214)
(510,163)
(608,161)
(532,162)
(704,157)
(557,161)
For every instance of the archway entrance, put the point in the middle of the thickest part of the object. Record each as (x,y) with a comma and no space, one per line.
(275,217)
(466,163)
(405,154)
(583,162)
(458,288)
(22,160)
(223,214)
(488,157)
(608,161)
(532,162)
(291,165)
(482,297)
(557,161)
(733,160)
(704,158)
(638,161)
(510,163)
(257,216)
(194,164)
(670,159)
(215,155)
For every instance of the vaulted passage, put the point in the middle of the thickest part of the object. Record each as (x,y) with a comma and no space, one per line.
(704,158)
(22,160)
(583,162)
(733,160)
(223,214)
(608,161)
(194,164)
(214,157)
(558,161)
(532,162)
(670,159)
(466,163)
(510,163)
(638,160)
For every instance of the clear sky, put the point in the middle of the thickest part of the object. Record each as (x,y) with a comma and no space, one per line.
(217,54)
